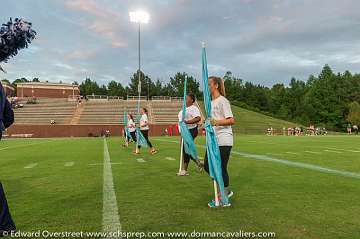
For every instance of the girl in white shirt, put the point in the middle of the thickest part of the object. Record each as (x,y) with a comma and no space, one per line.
(144,128)
(222,119)
(192,118)
(132,128)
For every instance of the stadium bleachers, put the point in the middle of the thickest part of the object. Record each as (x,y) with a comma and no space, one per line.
(165,112)
(95,111)
(44,111)
(102,112)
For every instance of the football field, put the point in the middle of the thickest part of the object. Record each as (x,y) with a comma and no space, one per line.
(297,187)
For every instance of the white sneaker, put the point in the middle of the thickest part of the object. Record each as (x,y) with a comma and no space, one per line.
(183,173)
(231,193)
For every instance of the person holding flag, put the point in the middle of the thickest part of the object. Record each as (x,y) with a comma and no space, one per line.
(129,129)
(222,119)
(131,126)
(143,135)
(218,133)
(191,119)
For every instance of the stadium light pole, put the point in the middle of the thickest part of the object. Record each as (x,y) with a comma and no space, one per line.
(139,17)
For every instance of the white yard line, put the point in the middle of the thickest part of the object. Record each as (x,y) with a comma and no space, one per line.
(170,158)
(300,165)
(69,164)
(140,160)
(291,163)
(312,152)
(353,151)
(111,218)
(346,150)
(332,151)
(22,145)
(30,166)
(274,154)
(292,153)
(97,164)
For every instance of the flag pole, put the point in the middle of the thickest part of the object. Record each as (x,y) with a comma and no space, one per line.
(181,155)
(217,201)
(216,194)
(125,129)
(139,87)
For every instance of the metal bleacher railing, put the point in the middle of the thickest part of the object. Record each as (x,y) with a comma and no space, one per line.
(161,98)
(135,98)
(103,97)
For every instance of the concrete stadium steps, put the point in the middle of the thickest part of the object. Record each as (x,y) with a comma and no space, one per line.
(95,112)
(165,112)
(44,111)
(103,112)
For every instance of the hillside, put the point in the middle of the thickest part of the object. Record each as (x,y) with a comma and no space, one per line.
(250,122)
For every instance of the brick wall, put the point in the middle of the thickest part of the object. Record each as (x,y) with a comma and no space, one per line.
(48,131)
(47,93)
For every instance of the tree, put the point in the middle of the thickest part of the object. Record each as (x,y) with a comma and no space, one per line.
(354,113)
(115,89)
(134,82)
(19,80)
(89,87)
(233,86)
(176,85)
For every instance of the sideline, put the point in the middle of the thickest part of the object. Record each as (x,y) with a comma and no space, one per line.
(286,162)
(111,218)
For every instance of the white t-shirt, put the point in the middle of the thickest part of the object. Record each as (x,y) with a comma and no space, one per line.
(221,109)
(191,112)
(144,121)
(131,125)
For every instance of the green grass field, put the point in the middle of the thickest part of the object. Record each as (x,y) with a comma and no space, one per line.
(297,187)
(250,122)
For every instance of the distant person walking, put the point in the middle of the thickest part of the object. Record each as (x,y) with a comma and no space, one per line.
(349,129)
(356,129)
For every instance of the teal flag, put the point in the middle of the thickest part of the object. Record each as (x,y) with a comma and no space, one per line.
(189,145)
(140,139)
(212,147)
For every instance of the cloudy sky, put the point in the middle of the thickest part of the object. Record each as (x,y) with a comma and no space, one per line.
(263,41)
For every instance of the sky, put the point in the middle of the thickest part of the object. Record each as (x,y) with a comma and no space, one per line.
(262,41)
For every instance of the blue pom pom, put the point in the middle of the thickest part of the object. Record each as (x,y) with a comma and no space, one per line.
(14,36)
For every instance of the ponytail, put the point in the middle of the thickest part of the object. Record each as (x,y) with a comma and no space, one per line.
(220,83)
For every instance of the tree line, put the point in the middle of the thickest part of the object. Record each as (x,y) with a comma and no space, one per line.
(330,100)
